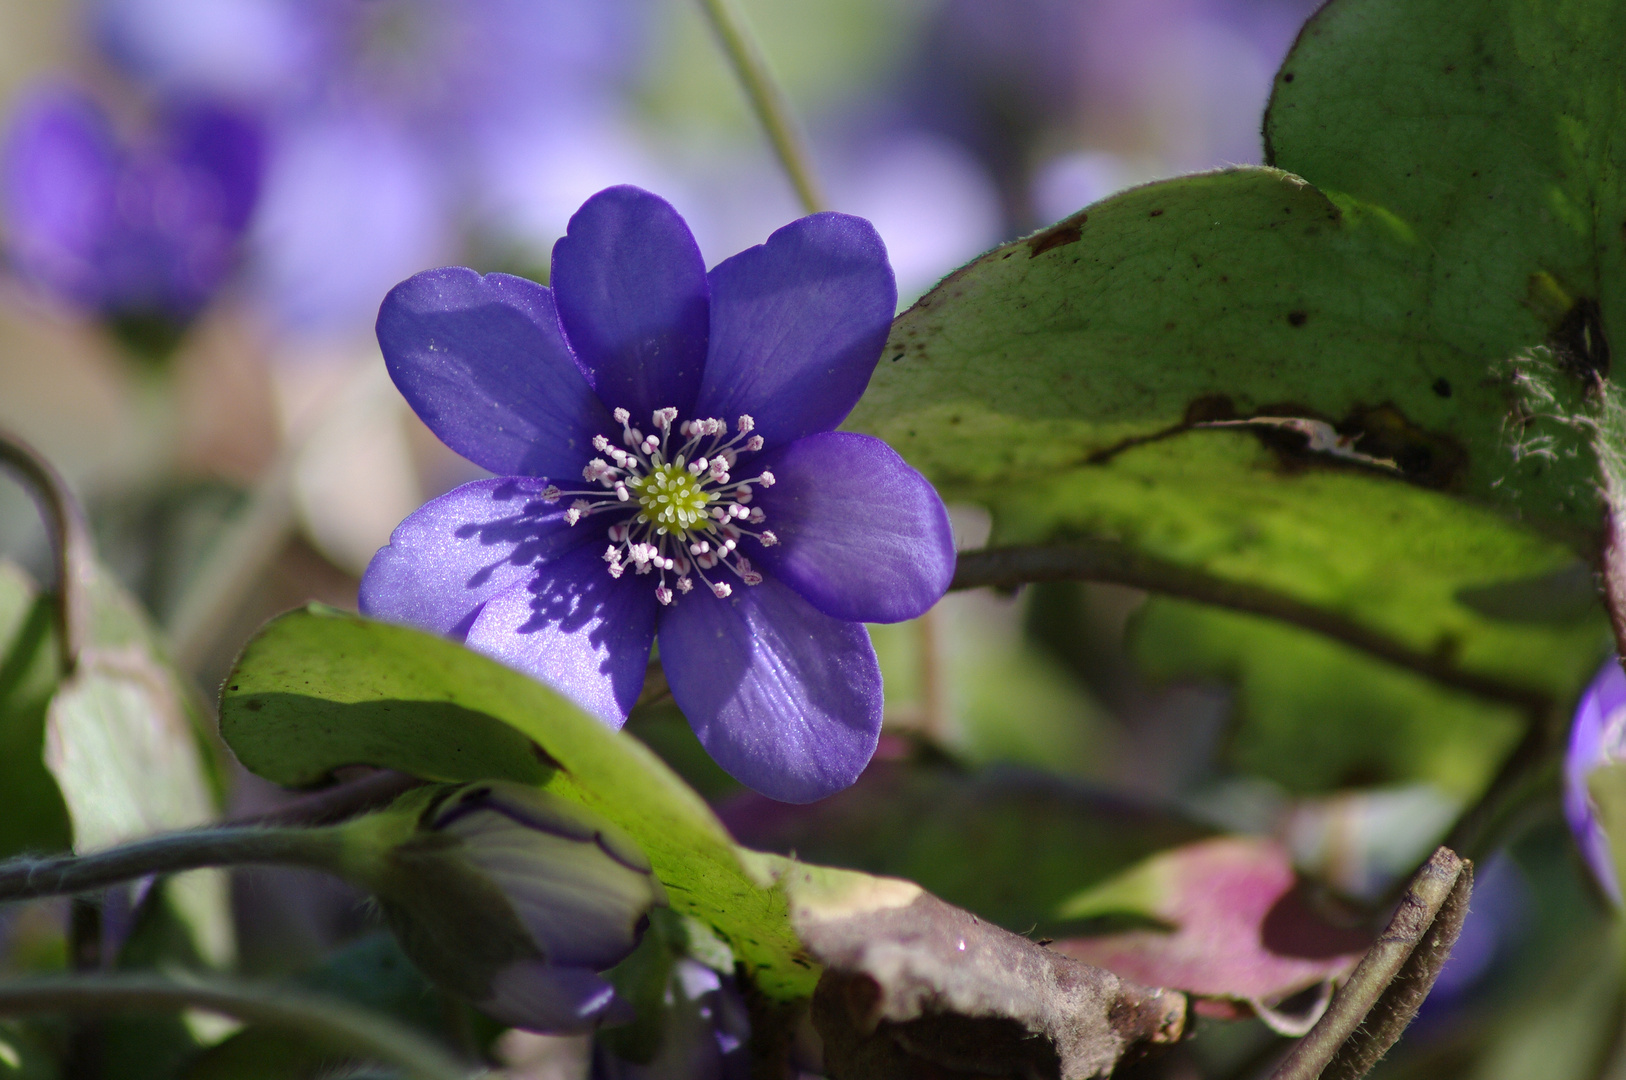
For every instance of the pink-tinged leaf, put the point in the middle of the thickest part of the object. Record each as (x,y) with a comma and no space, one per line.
(1240,926)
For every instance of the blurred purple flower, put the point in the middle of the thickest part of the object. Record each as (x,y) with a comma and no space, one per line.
(1597,739)
(144,228)
(395,123)
(737,524)
(704,1033)
(533,897)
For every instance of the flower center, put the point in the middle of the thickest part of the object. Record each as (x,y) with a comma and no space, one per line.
(674,509)
(671,497)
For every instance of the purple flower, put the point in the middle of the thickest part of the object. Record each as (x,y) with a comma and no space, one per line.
(667,467)
(517,899)
(1597,739)
(396,126)
(145,228)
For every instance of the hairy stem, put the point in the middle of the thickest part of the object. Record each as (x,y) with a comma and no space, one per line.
(1118,564)
(1372,1009)
(27,878)
(767,99)
(72,549)
(324,1020)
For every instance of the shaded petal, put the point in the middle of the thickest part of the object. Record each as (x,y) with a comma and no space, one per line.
(797,325)
(632,295)
(862,536)
(482,361)
(787,699)
(536,996)
(574,627)
(458,551)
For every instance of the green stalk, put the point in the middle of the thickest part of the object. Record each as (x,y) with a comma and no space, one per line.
(327,1021)
(768,100)
(28,878)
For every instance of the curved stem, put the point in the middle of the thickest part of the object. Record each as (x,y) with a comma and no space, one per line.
(70,539)
(27,878)
(767,99)
(1118,564)
(328,1021)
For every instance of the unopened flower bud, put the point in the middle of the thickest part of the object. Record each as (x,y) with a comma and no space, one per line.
(516,899)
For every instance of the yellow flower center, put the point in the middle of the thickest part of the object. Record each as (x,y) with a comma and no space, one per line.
(672,498)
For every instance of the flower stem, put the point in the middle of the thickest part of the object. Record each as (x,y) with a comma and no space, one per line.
(768,100)
(27,877)
(1369,1012)
(70,539)
(324,1020)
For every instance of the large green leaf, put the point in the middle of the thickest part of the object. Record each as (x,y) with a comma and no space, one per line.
(319,688)
(1492,133)
(1072,383)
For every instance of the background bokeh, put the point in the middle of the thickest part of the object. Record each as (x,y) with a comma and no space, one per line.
(241,451)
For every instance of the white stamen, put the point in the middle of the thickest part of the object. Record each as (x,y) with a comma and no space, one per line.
(677,503)
(550,494)
(768,538)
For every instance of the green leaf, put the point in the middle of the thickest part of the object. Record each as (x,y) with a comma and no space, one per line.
(121,739)
(1490,132)
(1070,382)
(35,819)
(1315,716)
(319,688)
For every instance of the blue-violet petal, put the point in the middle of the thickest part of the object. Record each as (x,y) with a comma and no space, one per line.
(797,325)
(482,362)
(785,698)
(632,294)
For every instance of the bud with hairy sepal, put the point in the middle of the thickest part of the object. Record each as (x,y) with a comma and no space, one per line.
(512,897)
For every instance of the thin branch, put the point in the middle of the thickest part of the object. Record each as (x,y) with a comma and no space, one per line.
(28,878)
(327,1021)
(1118,564)
(72,549)
(767,99)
